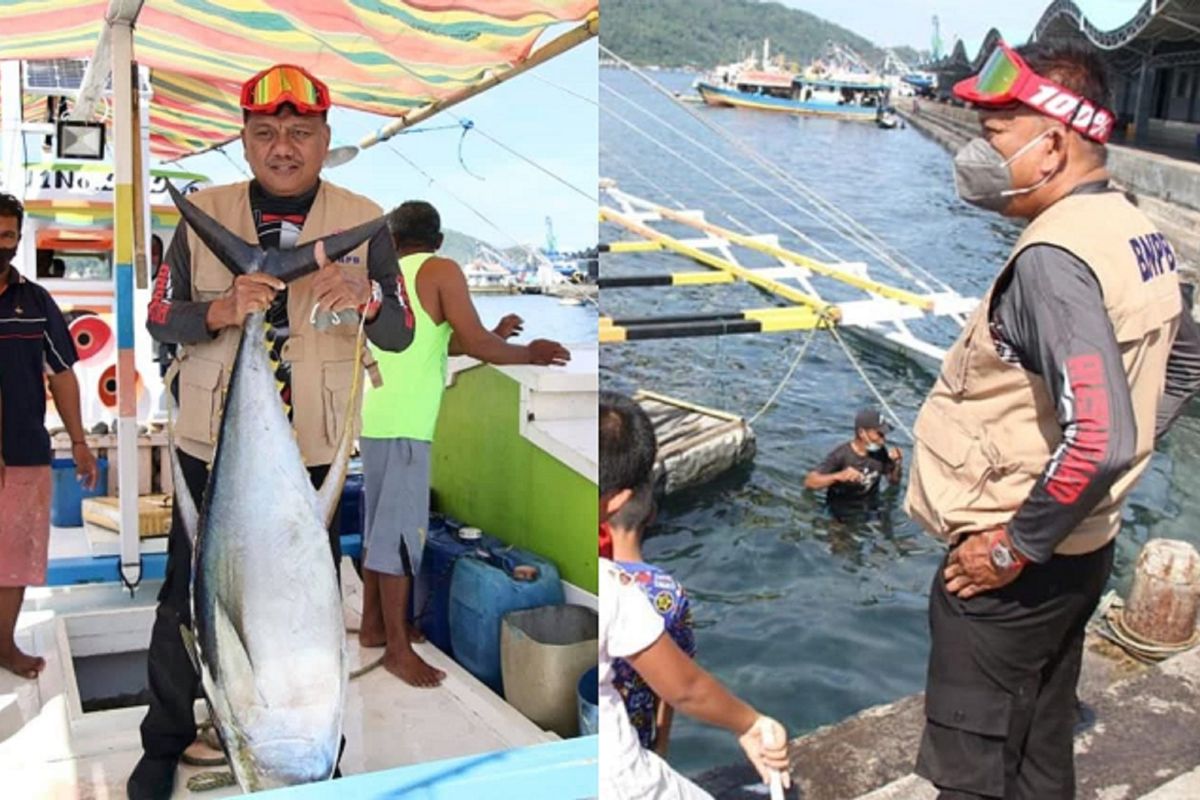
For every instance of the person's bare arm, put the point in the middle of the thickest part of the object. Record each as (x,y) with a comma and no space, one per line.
(681,683)
(64,388)
(474,339)
(509,326)
(820,480)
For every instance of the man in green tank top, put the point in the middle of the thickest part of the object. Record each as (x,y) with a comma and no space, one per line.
(399,418)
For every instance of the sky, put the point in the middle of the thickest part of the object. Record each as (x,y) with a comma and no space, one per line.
(909,22)
(539,121)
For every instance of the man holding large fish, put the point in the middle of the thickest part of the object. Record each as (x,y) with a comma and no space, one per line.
(257,366)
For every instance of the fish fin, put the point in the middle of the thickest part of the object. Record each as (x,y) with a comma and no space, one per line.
(330,493)
(287,265)
(189,644)
(231,665)
(238,255)
(185,504)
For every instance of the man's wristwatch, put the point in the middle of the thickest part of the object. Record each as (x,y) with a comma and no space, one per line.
(1004,557)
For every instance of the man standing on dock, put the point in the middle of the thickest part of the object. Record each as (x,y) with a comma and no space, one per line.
(1043,417)
(399,417)
(199,304)
(35,351)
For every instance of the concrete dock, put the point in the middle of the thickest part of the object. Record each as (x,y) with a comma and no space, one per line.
(1140,739)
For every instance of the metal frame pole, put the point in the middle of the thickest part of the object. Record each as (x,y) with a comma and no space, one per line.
(125,213)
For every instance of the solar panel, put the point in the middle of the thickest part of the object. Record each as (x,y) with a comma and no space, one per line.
(54,77)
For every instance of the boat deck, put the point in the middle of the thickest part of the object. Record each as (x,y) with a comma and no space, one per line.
(50,749)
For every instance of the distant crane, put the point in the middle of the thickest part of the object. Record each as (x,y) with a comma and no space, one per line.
(936,42)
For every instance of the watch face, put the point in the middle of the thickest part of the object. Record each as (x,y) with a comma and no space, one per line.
(1002,558)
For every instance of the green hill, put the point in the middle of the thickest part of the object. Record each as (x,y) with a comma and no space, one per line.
(704,33)
(461,247)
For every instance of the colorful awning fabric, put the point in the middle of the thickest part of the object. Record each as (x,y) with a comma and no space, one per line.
(383,56)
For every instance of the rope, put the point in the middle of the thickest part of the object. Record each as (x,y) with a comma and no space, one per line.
(591,198)
(862,373)
(845,219)
(229,158)
(208,781)
(528,250)
(562,88)
(762,210)
(467,127)
(727,187)
(363,670)
(856,231)
(812,335)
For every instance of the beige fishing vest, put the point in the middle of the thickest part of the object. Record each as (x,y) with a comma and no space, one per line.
(322,362)
(988,428)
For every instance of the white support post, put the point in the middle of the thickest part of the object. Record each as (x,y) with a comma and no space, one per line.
(125,127)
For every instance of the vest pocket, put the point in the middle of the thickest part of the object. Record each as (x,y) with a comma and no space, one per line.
(951,465)
(337,378)
(200,399)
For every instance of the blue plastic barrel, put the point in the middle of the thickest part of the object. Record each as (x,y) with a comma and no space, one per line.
(353,514)
(431,595)
(482,591)
(67,494)
(589,702)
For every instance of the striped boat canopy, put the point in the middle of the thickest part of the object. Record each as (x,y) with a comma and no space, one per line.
(386,57)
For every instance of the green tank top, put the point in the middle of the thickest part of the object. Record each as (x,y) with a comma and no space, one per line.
(406,405)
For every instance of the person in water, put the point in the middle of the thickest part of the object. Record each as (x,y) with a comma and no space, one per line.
(854,470)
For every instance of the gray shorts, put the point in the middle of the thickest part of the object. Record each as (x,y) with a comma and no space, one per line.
(396,483)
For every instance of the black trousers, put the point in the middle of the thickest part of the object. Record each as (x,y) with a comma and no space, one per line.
(1000,699)
(170,724)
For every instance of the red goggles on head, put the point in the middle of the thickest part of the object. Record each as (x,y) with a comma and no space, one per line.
(284,83)
(1006,79)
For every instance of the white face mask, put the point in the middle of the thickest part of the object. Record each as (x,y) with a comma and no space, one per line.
(874,447)
(982,175)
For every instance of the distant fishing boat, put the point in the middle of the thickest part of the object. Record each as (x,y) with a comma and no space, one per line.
(839,86)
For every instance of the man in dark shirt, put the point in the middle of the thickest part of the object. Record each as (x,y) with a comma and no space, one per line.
(853,470)
(286,138)
(35,350)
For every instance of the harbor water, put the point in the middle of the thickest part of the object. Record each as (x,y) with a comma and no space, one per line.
(808,617)
(545,316)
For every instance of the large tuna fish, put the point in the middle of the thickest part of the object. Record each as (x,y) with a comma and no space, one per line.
(268,634)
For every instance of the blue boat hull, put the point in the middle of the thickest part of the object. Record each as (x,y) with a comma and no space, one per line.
(722,96)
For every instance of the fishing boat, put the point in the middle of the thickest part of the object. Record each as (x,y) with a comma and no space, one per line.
(836,86)
(73,732)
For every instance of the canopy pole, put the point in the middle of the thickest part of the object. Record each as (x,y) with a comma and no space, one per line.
(574,37)
(126,215)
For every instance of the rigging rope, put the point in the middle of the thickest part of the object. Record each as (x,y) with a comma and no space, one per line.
(591,198)
(864,235)
(727,187)
(529,251)
(871,385)
(812,335)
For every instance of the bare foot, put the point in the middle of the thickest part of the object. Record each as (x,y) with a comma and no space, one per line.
(412,669)
(414,633)
(371,638)
(22,664)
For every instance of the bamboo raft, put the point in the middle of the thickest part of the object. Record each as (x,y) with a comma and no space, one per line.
(695,444)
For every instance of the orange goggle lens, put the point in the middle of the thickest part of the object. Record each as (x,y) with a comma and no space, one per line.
(284,84)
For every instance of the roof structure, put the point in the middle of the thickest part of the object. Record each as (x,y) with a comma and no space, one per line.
(388,57)
(1165,31)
